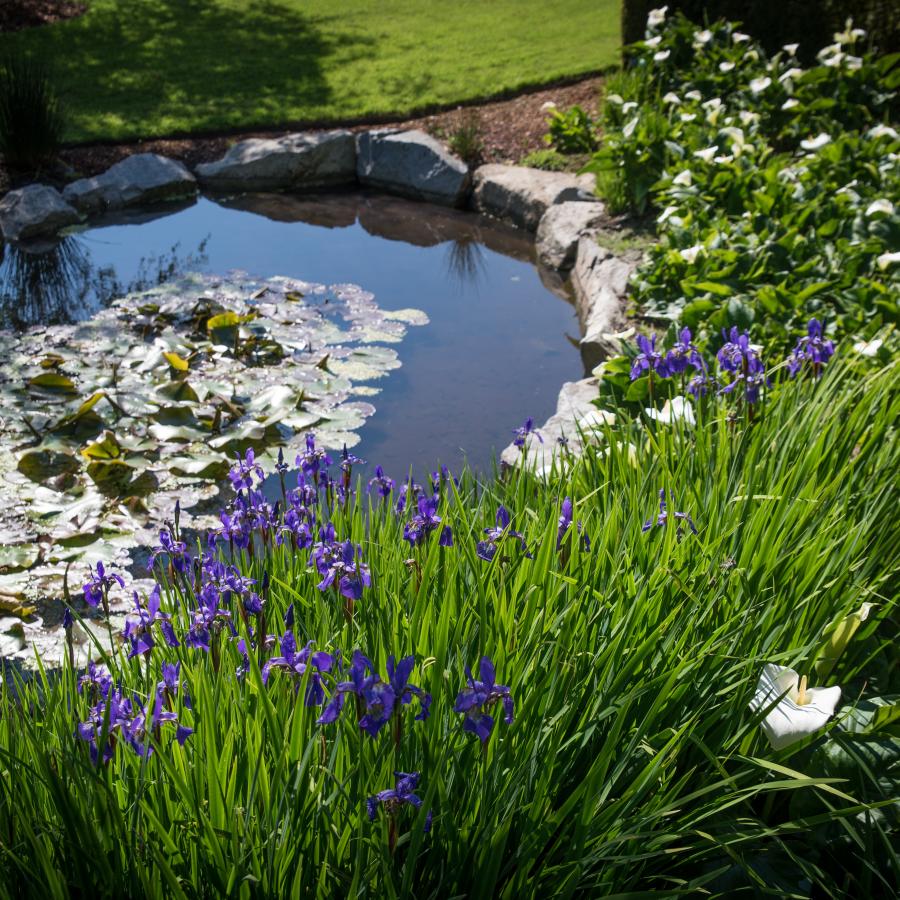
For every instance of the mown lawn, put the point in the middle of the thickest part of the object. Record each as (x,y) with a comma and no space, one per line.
(142,68)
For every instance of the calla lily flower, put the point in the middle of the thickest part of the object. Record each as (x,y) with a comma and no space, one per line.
(798,711)
(674,410)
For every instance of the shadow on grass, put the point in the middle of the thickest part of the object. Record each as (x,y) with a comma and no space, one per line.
(251,58)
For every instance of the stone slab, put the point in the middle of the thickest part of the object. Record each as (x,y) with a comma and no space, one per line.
(292,162)
(411,164)
(35,211)
(522,195)
(139,180)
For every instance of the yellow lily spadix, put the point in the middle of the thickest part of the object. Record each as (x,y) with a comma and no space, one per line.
(793,710)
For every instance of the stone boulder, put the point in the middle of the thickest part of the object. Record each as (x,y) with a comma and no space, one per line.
(575,418)
(35,211)
(412,164)
(138,180)
(560,229)
(600,280)
(521,195)
(295,161)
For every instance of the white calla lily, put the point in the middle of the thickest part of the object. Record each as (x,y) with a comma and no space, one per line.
(656,17)
(690,254)
(868,348)
(678,409)
(887,259)
(758,85)
(794,710)
(884,207)
(683,179)
(816,143)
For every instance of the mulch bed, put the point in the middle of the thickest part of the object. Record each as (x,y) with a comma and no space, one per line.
(509,129)
(18,14)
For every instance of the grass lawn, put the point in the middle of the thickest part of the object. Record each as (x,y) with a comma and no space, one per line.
(142,68)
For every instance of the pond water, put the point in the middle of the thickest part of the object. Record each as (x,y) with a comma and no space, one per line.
(496,350)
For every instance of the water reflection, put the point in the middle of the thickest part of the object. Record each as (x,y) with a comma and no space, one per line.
(465,261)
(58,283)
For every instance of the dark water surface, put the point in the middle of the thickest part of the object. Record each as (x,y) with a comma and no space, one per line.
(496,351)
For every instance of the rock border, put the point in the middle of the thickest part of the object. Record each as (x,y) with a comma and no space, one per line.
(560,209)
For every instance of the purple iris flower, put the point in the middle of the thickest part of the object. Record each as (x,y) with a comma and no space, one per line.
(314,461)
(751,384)
(701,384)
(171,673)
(522,432)
(383,485)
(662,518)
(405,490)
(812,349)
(649,359)
(98,587)
(378,698)
(296,664)
(438,479)
(127,720)
(281,466)
(241,475)
(208,618)
(403,793)
(684,353)
(446,538)
(479,696)
(235,530)
(139,625)
(565,522)
(68,620)
(176,550)
(737,354)
(739,357)
(96,679)
(418,528)
(340,565)
(501,532)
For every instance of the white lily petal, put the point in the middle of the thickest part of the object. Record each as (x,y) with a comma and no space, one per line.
(816,143)
(788,721)
(674,410)
(868,348)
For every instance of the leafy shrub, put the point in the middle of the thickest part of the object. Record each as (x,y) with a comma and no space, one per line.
(571,131)
(774,184)
(31,120)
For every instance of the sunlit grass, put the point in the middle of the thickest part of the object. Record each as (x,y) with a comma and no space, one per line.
(141,68)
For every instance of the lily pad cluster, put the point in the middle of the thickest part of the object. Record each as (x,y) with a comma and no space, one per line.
(105,424)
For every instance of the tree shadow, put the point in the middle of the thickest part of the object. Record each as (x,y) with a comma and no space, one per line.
(253,58)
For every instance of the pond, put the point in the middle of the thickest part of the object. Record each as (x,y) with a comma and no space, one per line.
(496,350)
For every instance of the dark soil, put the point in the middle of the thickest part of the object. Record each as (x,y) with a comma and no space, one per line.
(18,14)
(509,130)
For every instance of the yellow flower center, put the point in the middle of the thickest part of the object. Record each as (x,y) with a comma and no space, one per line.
(802,699)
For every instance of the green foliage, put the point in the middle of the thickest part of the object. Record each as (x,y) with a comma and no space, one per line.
(548,160)
(774,184)
(633,766)
(571,131)
(145,68)
(31,119)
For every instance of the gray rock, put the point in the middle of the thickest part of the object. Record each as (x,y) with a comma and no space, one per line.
(522,195)
(137,180)
(34,211)
(560,229)
(292,162)
(600,280)
(413,164)
(575,414)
